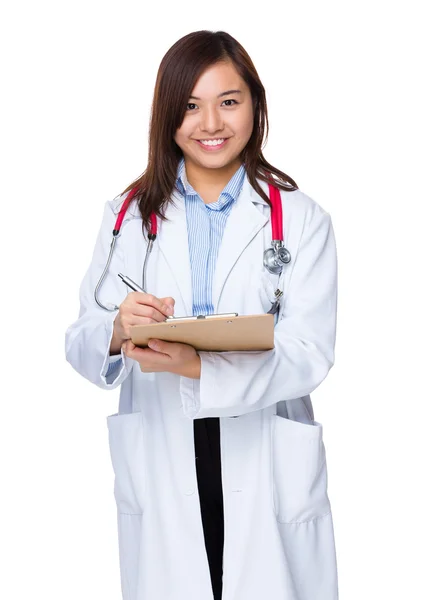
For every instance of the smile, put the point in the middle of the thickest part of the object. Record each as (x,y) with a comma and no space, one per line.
(212,145)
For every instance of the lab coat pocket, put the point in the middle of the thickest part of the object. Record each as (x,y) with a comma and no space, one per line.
(127,456)
(299,471)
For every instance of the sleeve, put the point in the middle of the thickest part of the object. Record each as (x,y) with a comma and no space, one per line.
(88,339)
(236,383)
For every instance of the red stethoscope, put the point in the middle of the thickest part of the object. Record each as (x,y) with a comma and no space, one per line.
(274,258)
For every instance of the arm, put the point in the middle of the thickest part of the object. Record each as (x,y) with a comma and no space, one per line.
(88,339)
(236,383)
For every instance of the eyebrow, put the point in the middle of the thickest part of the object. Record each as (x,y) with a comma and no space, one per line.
(227,93)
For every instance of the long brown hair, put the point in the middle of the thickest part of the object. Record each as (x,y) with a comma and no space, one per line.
(178,72)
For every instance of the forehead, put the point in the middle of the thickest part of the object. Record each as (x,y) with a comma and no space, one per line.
(216,79)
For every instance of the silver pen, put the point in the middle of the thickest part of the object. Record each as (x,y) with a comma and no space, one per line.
(134,286)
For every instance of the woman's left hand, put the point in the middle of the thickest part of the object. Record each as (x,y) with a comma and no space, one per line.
(173,357)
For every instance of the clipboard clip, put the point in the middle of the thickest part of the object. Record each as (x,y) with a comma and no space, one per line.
(196,317)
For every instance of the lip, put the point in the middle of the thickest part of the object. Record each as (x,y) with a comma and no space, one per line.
(212,148)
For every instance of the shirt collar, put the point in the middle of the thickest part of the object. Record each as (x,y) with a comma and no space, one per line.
(229,194)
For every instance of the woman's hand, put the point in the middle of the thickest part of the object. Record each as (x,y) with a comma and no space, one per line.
(173,357)
(138,308)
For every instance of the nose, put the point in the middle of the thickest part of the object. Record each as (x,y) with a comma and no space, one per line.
(211,120)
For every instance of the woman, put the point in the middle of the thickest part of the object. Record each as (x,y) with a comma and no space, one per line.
(220,468)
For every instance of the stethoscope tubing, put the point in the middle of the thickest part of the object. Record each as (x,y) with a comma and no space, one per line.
(277,236)
(101,279)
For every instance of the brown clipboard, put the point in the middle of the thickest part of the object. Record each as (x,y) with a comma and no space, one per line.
(219,334)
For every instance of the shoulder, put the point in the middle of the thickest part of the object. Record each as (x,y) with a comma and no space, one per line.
(306,223)
(308,214)
(297,204)
(115,206)
(302,202)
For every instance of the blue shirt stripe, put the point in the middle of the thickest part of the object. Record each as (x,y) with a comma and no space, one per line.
(206,224)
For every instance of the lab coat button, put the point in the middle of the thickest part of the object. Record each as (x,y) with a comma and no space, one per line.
(189,492)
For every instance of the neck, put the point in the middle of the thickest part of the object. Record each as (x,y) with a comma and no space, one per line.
(210,179)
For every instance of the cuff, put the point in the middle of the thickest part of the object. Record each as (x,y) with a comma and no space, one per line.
(115,364)
(114,357)
(191,390)
(190,394)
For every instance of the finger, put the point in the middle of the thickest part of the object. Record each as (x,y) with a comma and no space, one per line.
(149,300)
(155,345)
(128,346)
(168,301)
(168,348)
(138,354)
(150,361)
(143,314)
(136,309)
(144,299)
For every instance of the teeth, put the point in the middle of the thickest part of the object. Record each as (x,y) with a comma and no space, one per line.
(212,142)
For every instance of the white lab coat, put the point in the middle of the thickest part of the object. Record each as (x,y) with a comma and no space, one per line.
(279,539)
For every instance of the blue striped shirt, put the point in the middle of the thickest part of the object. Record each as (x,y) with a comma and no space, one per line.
(205,225)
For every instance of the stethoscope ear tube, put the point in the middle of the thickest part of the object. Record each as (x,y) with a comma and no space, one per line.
(116,230)
(111,307)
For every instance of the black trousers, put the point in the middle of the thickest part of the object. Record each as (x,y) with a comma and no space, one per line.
(208,468)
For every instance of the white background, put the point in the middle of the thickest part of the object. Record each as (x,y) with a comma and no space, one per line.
(348,87)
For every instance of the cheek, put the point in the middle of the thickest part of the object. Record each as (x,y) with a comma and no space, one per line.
(244,127)
(243,133)
(182,135)
(178,138)
(249,125)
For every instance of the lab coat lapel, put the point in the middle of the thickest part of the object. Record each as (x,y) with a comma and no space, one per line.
(244,222)
(172,241)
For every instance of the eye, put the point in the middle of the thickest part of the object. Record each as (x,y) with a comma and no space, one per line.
(229,100)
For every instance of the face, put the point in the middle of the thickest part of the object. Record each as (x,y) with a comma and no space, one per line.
(220,108)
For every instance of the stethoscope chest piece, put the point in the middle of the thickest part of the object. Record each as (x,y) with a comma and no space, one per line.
(275,258)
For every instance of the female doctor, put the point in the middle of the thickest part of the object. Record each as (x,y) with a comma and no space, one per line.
(220,468)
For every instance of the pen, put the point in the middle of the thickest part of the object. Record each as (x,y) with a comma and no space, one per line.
(134,286)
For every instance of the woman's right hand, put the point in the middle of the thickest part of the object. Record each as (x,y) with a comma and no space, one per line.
(138,308)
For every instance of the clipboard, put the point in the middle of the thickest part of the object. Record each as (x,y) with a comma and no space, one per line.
(212,333)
